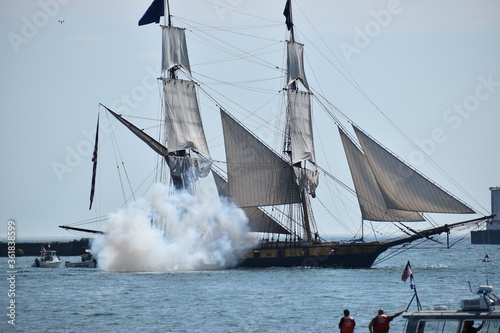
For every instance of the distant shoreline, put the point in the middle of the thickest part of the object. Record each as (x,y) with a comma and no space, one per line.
(33,246)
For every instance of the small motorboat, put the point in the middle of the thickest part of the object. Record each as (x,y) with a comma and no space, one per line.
(48,258)
(88,261)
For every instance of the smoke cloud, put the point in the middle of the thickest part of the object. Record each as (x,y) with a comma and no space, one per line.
(173,232)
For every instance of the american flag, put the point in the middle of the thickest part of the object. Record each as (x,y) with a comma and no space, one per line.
(407,272)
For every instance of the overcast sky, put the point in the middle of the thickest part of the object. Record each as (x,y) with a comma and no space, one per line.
(431,67)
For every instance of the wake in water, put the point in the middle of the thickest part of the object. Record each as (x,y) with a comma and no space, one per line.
(165,232)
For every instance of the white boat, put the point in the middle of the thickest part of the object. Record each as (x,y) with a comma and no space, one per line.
(475,315)
(88,261)
(48,258)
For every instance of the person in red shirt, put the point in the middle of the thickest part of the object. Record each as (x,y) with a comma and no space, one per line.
(347,323)
(380,323)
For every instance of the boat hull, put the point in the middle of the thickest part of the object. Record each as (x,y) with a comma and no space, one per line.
(83,264)
(44,264)
(346,255)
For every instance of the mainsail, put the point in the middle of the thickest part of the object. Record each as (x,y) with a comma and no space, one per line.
(372,202)
(257,176)
(182,115)
(388,189)
(184,133)
(258,220)
(301,135)
(405,187)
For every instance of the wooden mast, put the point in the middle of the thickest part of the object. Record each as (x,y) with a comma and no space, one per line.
(293,86)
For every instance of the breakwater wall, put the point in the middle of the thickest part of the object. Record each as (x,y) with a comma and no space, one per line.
(64,248)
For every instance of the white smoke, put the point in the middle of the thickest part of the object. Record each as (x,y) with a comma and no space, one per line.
(188,234)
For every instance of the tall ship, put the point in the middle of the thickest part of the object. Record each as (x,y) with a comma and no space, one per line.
(276,189)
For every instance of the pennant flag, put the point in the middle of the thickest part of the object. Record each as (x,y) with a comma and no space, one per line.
(154,12)
(288,15)
(94,168)
(407,273)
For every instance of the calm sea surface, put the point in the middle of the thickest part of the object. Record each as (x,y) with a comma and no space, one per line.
(240,300)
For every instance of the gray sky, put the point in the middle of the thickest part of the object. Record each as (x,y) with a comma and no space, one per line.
(431,67)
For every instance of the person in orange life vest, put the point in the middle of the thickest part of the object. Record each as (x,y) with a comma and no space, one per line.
(380,323)
(347,323)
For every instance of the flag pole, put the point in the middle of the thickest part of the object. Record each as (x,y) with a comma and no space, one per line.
(408,273)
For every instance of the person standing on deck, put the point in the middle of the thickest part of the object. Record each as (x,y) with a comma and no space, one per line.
(347,323)
(380,323)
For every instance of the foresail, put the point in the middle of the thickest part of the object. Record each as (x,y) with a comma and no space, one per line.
(371,200)
(301,134)
(257,176)
(403,186)
(174,50)
(258,220)
(295,63)
(183,120)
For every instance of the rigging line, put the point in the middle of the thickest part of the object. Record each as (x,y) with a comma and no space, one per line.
(144,118)
(353,82)
(114,144)
(339,221)
(387,149)
(345,186)
(356,85)
(242,13)
(346,208)
(128,180)
(161,129)
(228,47)
(251,113)
(89,221)
(236,83)
(250,58)
(223,83)
(230,29)
(395,252)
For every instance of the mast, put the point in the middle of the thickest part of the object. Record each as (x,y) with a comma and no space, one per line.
(298,138)
(183,127)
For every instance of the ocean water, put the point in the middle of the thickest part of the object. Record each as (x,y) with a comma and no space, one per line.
(240,300)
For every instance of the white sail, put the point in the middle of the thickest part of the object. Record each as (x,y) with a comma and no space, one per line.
(307,180)
(183,121)
(301,135)
(258,220)
(257,176)
(372,201)
(295,63)
(404,187)
(188,167)
(174,51)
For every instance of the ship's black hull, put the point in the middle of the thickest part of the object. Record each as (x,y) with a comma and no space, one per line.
(346,255)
